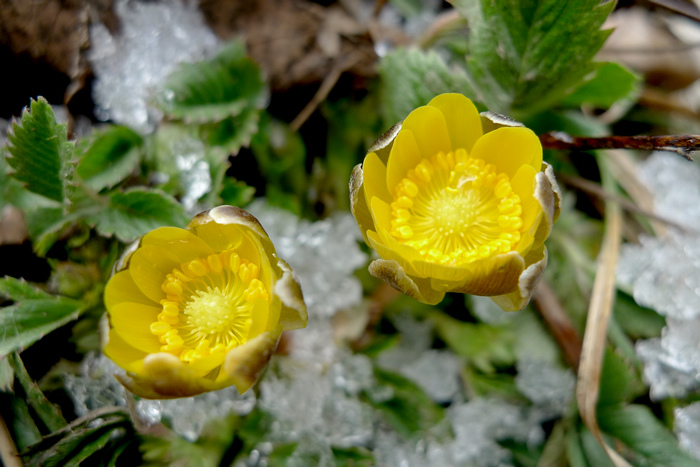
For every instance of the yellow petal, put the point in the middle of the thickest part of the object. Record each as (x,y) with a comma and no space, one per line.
(120,352)
(293,314)
(493,276)
(204,365)
(164,376)
(122,288)
(183,244)
(429,129)
(358,202)
(149,266)
(405,155)
(463,120)
(244,364)
(523,184)
(509,149)
(392,250)
(393,274)
(536,261)
(374,178)
(132,322)
(261,318)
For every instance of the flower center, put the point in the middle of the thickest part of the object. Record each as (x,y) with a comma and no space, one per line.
(208,306)
(455,209)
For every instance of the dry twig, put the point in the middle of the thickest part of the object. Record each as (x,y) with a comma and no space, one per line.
(680,144)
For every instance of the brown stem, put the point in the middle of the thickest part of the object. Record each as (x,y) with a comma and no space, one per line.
(680,144)
(558,322)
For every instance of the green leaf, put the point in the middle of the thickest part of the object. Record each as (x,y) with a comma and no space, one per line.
(611,82)
(212,90)
(236,193)
(110,158)
(525,54)
(409,410)
(357,456)
(484,346)
(70,447)
(412,77)
(232,133)
(45,225)
(637,321)
(27,321)
(19,289)
(136,212)
(39,151)
(638,428)
(618,381)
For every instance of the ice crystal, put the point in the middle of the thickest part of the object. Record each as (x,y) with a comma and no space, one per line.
(687,427)
(154,38)
(665,275)
(547,386)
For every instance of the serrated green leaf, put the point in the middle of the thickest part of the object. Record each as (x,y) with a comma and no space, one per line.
(212,90)
(136,212)
(639,429)
(110,158)
(611,82)
(27,321)
(525,54)
(412,77)
(19,289)
(410,410)
(232,133)
(39,150)
(483,345)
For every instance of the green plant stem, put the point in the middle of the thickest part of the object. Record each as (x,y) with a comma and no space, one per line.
(48,413)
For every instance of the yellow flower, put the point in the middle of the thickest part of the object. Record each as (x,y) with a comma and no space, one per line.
(198,309)
(457,202)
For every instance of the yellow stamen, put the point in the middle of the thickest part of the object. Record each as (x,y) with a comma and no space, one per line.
(455,209)
(207,309)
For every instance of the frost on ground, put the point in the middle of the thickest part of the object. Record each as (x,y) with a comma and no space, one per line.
(154,38)
(665,275)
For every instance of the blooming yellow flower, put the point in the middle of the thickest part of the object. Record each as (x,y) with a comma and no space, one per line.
(454,201)
(198,309)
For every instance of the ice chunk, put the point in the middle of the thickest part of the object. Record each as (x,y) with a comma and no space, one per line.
(154,38)
(323,254)
(672,362)
(437,373)
(674,184)
(188,416)
(96,387)
(547,386)
(687,427)
(308,405)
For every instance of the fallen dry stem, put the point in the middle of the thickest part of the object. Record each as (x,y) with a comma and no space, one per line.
(600,308)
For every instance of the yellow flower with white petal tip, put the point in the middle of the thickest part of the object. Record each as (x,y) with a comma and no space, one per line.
(455,201)
(202,308)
